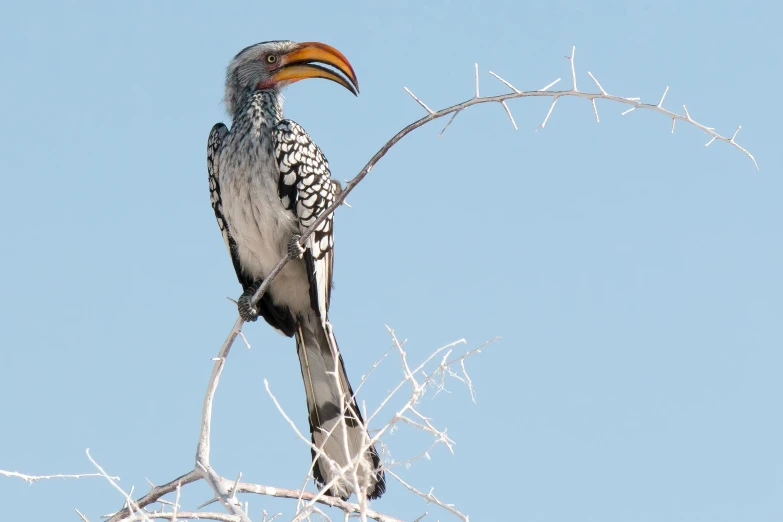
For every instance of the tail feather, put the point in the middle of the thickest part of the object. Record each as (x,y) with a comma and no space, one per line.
(327,389)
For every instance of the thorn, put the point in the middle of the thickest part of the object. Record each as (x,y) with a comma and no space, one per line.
(598,84)
(673,122)
(660,103)
(508,111)
(573,70)
(595,110)
(548,86)
(477,82)
(345,202)
(449,123)
(549,113)
(205,504)
(627,111)
(418,101)
(236,484)
(517,91)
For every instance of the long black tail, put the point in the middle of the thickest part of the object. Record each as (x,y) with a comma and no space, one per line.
(320,360)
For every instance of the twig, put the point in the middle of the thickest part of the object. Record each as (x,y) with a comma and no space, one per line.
(156,493)
(419,101)
(573,68)
(131,504)
(35,478)
(202,448)
(431,498)
(183,515)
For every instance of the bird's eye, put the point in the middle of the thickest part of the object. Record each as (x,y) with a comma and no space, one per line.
(271,58)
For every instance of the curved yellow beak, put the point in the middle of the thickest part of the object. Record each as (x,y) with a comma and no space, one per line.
(299,64)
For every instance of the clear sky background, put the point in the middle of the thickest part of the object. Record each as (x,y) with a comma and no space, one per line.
(633,276)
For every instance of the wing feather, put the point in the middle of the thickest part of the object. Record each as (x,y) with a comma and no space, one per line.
(306,188)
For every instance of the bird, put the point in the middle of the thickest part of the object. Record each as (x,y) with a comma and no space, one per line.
(269,182)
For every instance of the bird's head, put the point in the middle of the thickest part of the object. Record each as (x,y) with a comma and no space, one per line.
(273,65)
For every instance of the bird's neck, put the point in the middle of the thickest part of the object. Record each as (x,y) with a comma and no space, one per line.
(262,107)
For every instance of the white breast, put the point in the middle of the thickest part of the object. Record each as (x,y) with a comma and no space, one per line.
(257,220)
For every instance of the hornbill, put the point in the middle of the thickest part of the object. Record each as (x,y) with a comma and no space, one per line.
(268,182)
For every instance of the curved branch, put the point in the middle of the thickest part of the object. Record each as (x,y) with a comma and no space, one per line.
(501,99)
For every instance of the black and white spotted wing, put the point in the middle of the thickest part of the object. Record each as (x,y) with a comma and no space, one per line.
(305,187)
(214,144)
(279,318)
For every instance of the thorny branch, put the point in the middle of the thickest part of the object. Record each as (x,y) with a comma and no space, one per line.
(226,489)
(515,93)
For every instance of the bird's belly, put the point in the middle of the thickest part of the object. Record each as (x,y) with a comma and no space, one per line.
(262,228)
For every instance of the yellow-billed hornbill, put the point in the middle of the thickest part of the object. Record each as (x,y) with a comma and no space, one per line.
(268,182)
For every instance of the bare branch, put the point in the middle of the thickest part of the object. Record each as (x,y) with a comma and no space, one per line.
(35,478)
(203,449)
(176,502)
(156,493)
(131,504)
(183,515)
(431,498)
(346,507)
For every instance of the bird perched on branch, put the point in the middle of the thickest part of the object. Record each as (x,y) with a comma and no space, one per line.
(268,182)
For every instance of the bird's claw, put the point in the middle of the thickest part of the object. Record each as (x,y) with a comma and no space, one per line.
(295,250)
(247,311)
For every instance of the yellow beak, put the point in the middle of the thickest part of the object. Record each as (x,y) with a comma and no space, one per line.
(298,65)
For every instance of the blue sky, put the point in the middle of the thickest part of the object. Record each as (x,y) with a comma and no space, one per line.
(633,275)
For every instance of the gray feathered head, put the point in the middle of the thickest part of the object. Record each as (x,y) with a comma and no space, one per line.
(273,65)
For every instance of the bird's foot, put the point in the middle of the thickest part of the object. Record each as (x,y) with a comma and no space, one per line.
(247,311)
(295,250)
